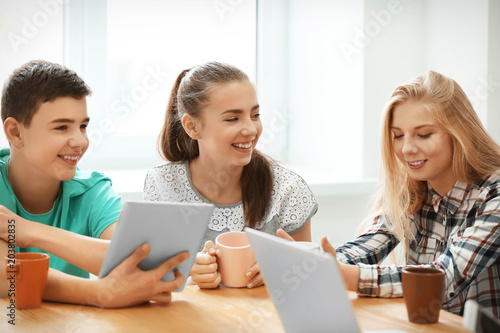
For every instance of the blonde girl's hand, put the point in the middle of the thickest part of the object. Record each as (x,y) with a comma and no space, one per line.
(350,273)
(328,247)
(283,234)
(205,269)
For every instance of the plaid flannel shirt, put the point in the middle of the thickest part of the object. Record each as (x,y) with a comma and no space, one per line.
(459,233)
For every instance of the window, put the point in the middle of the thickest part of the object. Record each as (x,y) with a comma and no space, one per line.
(324,69)
(315,96)
(130,52)
(330,66)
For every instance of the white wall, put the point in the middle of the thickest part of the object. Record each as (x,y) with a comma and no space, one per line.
(448,36)
(29,29)
(492,92)
(457,44)
(325,98)
(307,83)
(393,53)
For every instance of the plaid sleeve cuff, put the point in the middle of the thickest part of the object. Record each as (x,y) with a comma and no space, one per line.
(368,280)
(379,281)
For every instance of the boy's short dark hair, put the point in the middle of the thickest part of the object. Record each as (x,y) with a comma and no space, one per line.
(38,82)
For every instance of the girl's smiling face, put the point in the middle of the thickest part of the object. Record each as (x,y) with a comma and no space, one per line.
(423,146)
(229,127)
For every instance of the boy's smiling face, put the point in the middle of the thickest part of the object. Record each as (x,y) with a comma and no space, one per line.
(56,138)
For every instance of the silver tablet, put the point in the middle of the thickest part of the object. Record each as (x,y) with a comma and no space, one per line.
(305,285)
(169,228)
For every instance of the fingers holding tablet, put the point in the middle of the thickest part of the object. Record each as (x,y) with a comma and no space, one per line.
(128,284)
(169,228)
(162,298)
(165,288)
(170,264)
(283,234)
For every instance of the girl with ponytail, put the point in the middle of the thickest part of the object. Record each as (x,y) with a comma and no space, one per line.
(211,128)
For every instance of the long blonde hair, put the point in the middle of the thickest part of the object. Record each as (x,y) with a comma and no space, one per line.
(474,152)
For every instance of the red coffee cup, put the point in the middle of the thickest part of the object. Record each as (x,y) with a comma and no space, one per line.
(423,290)
(26,276)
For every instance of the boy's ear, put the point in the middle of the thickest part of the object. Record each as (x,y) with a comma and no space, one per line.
(13,131)
(191,126)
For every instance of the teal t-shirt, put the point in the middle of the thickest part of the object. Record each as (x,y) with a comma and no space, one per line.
(86,205)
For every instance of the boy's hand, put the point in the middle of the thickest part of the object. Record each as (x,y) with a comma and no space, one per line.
(205,270)
(129,285)
(13,225)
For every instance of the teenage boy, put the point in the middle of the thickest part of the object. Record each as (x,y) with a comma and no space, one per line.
(50,206)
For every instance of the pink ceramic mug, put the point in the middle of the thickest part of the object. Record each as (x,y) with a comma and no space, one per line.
(236,257)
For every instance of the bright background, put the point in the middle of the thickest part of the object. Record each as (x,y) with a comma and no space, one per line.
(323,68)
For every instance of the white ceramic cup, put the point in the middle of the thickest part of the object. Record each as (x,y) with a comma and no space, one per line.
(236,257)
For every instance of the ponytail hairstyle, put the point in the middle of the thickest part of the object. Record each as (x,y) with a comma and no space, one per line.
(475,153)
(190,93)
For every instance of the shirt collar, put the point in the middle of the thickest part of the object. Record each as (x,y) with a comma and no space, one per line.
(452,200)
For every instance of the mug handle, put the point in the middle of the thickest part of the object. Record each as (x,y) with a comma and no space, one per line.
(17,269)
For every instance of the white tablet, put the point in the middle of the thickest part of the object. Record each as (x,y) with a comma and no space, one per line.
(169,229)
(305,285)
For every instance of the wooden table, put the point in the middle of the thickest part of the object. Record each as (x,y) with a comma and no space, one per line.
(219,310)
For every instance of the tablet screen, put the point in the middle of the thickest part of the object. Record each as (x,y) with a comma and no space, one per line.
(169,229)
